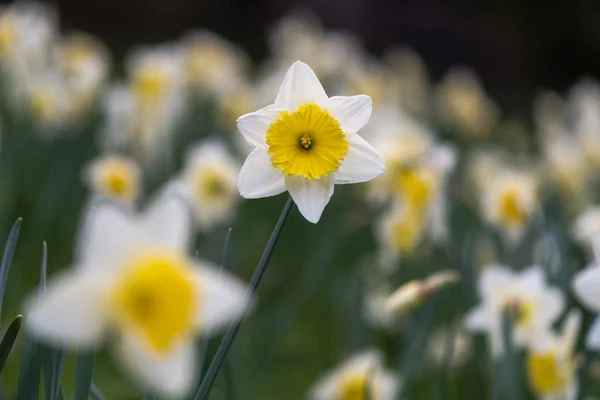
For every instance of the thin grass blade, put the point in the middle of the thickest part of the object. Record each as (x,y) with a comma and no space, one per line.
(7,257)
(9,339)
(96,393)
(234,327)
(29,372)
(52,364)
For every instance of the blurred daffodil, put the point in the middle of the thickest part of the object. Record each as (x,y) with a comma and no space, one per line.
(360,377)
(463,104)
(133,278)
(49,101)
(305,143)
(510,201)
(209,182)
(84,63)
(586,226)
(550,362)
(525,296)
(115,177)
(399,231)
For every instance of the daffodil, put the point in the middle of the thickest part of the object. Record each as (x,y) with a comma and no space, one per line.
(134,279)
(510,201)
(115,177)
(399,231)
(360,377)
(586,226)
(533,305)
(209,182)
(584,104)
(463,104)
(49,100)
(305,143)
(567,167)
(84,63)
(550,363)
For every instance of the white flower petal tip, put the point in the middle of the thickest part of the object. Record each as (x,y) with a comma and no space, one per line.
(353,112)
(592,338)
(71,313)
(310,196)
(300,86)
(363,163)
(585,286)
(224,298)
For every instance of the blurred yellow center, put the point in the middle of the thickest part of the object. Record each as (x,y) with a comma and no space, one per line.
(354,386)
(204,62)
(117,180)
(156,298)
(74,54)
(308,142)
(521,311)
(416,187)
(43,104)
(511,211)
(149,86)
(546,374)
(406,231)
(212,185)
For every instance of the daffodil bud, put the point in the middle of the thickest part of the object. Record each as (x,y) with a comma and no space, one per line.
(406,297)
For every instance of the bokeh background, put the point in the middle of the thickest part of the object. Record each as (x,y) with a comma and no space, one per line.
(311,312)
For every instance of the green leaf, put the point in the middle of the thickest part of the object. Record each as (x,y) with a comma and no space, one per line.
(29,372)
(83,378)
(150,396)
(9,251)
(96,393)
(9,339)
(52,364)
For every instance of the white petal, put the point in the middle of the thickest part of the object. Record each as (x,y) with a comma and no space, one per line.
(364,361)
(476,320)
(254,126)
(72,312)
(311,196)
(352,112)
(326,387)
(592,338)
(585,285)
(222,299)
(532,279)
(387,385)
(361,164)
(107,235)
(553,303)
(171,374)
(300,86)
(167,222)
(259,178)
(494,279)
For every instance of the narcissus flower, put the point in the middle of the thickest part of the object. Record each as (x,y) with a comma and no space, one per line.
(360,377)
(550,363)
(307,142)
(526,296)
(209,182)
(115,177)
(132,277)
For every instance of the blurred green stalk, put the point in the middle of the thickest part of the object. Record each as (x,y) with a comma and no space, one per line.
(217,362)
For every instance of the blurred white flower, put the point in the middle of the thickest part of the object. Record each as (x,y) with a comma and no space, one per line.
(586,226)
(209,181)
(584,107)
(551,367)
(49,100)
(84,62)
(133,277)
(27,32)
(525,296)
(356,378)
(211,62)
(463,104)
(399,231)
(510,201)
(115,177)
(461,346)
(305,143)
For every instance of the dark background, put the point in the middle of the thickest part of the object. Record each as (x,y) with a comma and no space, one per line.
(517,46)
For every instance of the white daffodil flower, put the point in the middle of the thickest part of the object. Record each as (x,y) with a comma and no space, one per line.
(586,227)
(550,363)
(115,177)
(306,143)
(525,295)
(133,278)
(360,377)
(585,288)
(209,182)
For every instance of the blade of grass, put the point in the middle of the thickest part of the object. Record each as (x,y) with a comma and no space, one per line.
(29,371)
(52,364)
(230,334)
(96,393)
(447,361)
(83,376)
(9,251)
(584,373)
(9,340)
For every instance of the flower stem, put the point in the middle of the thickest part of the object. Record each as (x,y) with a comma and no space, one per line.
(584,373)
(217,362)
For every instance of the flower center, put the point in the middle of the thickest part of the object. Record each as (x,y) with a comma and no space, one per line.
(308,142)
(416,187)
(156,298)
(546,373)
(519,310)
(212,185)
(149,86)
(117,180)
(511,211)
(407,231)
(355,386)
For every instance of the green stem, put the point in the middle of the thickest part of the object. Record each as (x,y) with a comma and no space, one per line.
(584,373)
(217,362)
